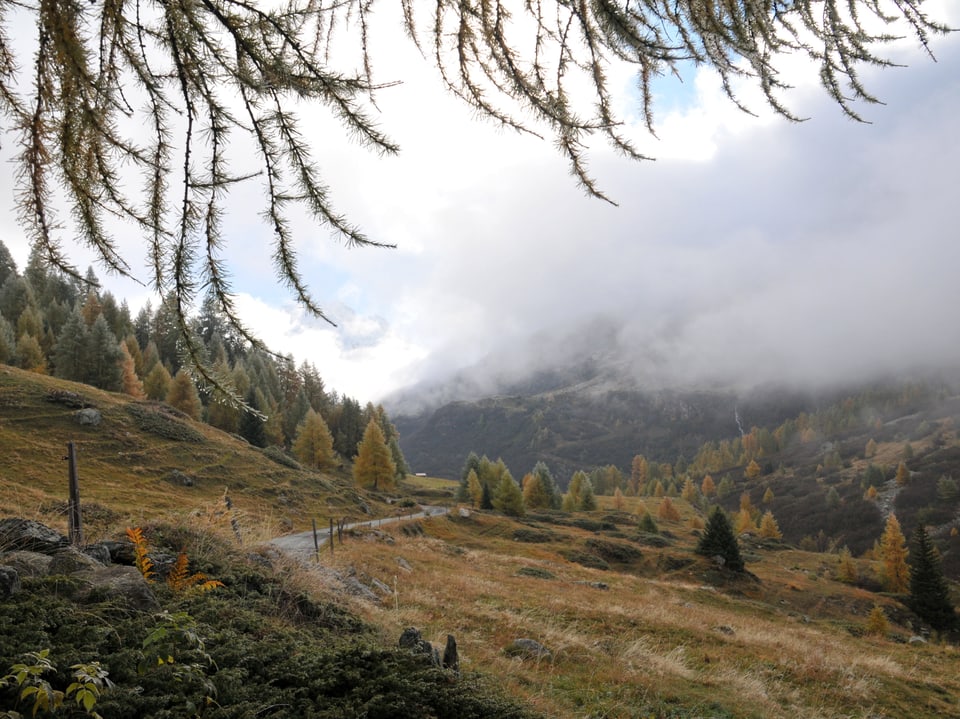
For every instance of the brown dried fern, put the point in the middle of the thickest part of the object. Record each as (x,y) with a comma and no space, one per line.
(141,560)
(180,579)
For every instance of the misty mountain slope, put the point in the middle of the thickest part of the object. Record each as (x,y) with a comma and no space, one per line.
(589,395)
(587,424)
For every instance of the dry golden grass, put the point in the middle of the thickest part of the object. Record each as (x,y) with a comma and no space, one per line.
(649,643)
(128,469)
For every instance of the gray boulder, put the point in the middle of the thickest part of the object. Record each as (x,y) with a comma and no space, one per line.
(357,588)
(27,564)
(70,561)
(120,552)
(123,584)
(451,658)
(99,551)
(16,533)
(412,640)
(9,581)
(381,587)
(528,649)
(89,416)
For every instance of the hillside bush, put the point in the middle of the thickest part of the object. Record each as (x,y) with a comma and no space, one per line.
(537,572)
(618,552)
(253,648)
(163,422)
(277,455)
(532,536)
(586,559)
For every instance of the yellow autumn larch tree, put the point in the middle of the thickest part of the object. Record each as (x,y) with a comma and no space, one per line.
(474,487)
(846,567)
(182,395)
(374,465)
(769,529)
(877,624)
(130,383)
(903,475)
(667,511)
(745,523)
(708,488)
(313,445)
(893,554)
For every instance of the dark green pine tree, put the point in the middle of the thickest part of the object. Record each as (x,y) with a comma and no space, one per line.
(929,594)
(486,499)
(718,540)
(8,342)
(70,351)
(541,470)
(463,490)
(8,265)
(103,357)
(403,469)
(251,423)
(350,428)
(472,462)
(294,413)
(647,524)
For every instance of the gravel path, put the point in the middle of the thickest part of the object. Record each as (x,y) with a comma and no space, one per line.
(302,543)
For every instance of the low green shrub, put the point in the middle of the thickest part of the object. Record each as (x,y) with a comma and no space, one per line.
(537,572)
(533,536)
(586,559)
(611,551)
(253,648)
(164,422)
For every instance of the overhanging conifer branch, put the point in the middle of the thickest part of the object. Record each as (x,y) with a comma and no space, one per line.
(537,66)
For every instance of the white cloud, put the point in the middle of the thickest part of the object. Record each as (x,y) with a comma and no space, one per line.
(752,245)
(362,358)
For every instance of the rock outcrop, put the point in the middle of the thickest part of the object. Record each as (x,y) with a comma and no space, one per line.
(31,549)
(411,639)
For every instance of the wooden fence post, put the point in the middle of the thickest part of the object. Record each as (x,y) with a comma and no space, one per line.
(316,541)
(73,506)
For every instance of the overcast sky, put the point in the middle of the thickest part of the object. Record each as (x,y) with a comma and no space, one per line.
(752,247)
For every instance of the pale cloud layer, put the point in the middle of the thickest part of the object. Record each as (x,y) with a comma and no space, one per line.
(752,248)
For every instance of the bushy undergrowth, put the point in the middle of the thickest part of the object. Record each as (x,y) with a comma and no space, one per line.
(257,647)
(280,457)
(586,559)
(612,551)
(533,536)
(161,421)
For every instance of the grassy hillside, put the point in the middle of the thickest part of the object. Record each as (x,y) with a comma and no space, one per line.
(640,626)
(820,487)
(145,461)
(277,639)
